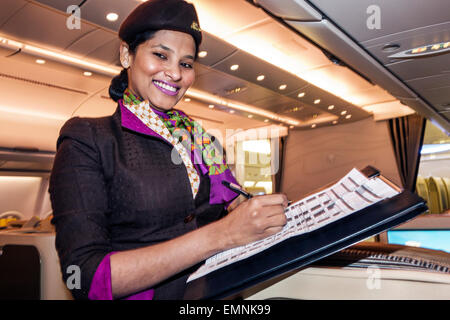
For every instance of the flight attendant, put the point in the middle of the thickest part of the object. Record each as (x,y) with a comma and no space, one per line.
(137,197)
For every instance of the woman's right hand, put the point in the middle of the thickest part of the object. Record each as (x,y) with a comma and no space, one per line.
(255,219)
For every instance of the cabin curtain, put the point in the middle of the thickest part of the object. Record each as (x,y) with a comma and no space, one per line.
(276,177)
(407,138)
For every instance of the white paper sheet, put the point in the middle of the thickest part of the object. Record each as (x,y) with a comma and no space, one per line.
(350,194)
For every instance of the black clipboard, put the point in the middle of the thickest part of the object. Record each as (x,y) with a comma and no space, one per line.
(300,251)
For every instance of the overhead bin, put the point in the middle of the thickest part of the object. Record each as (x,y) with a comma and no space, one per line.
(410,69)
(388,46)
(424,109)
(358,17)
(297,10)
(326,35)
(28,161)
(435,90)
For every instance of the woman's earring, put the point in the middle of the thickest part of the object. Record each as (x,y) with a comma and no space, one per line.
(125,63)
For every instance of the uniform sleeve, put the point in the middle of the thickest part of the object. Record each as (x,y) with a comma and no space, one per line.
(101,284)
(79,201)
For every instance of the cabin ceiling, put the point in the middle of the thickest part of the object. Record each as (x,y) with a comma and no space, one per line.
(370,35)
(55,91)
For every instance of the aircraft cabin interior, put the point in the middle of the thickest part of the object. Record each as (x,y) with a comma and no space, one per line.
(298,93)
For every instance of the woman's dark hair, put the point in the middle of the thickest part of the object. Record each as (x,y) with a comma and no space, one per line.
(120,82)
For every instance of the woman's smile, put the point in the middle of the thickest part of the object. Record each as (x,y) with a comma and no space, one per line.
(166,88)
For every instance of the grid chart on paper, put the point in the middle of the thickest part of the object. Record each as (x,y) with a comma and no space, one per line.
(350,194)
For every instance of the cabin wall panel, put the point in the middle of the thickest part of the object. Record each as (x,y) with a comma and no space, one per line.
(19,194)
(316,157)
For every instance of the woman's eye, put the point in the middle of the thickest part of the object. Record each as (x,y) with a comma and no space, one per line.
(186,65)
(159,55)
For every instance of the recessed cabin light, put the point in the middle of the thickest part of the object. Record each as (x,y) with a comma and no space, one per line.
(211,106)
(87,73)
(317,101)
(291,127)
(344,112)
(112,16)
(236,90)
(260,77)
(234,67)
(187,99)
(40,61)
(282,87)
(202,54)
(331,107)
(334,122)
(232,111)
(348,116)
(313,125)
(301,95)
(266,120)
(250,116)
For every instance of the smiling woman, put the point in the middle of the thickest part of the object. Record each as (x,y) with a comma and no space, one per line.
(135,219)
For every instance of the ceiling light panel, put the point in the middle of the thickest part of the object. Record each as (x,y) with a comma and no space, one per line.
(96,12)
(23,65)
(250,67)
(312,93)
(269,40)
(112,16)
(217,50)
(46,54)
(273,42)
(237,105)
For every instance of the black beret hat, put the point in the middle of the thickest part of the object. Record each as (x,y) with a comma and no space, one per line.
(177,15)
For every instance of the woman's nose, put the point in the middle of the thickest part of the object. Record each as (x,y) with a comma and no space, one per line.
(173,71)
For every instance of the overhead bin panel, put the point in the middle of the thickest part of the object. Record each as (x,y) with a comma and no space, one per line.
(385,47)
(290,9)
(92,42)
(59,4)
(436,89)
(25,160)
(107,53)
(326,35)
(410,69)
(370,19)
(215,48)
(37,24)
(427,70)
(10,8)
(440,119)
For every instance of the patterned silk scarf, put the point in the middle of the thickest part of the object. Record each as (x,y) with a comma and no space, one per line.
(192,142)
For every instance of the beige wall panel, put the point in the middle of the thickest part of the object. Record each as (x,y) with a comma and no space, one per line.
(317,157)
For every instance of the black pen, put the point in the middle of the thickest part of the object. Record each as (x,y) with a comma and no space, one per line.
(236,188)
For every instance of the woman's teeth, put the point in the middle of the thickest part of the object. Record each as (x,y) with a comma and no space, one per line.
(165,86)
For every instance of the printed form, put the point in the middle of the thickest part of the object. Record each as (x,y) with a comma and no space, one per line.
(350,194)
